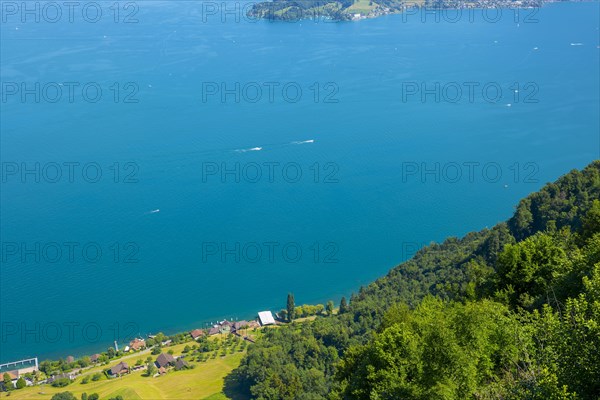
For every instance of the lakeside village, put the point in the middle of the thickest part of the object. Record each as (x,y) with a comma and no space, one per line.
(60,373)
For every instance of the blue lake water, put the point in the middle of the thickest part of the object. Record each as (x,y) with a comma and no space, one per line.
(360,206)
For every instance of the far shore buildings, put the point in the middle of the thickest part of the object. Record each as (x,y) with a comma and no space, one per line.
(94,358)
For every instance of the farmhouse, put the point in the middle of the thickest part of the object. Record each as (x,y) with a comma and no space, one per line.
(119,369)
(197,333)
(181,364)
(164,360)
(66,375)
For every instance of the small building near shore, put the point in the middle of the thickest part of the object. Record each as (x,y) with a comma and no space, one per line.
(137,344)
(197,333)
(240,325)
(266,318)
(253,324)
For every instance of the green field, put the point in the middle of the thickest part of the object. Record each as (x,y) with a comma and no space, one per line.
(205,381)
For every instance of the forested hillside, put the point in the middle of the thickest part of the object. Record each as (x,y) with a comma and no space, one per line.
(512,312)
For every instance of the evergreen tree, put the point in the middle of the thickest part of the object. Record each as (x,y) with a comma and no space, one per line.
(343,306)
(21,383)
(290,307)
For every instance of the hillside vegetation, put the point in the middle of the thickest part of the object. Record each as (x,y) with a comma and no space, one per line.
(511,312)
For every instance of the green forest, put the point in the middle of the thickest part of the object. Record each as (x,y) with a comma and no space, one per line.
(511,312)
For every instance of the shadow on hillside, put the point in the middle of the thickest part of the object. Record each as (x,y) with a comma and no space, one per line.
(235,388)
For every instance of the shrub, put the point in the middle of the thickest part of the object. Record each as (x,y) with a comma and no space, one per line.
(61,382)
(64,396)
(97,376)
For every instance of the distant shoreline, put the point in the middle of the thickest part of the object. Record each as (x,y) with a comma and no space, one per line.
(287,11)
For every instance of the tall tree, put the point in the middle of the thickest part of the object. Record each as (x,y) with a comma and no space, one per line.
(343,305)
(329,308)
(7,382)
(291,306)
(21,383)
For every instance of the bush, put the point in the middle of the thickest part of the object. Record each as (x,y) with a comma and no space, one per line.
(64,396)
(85,380)
(97,376)
(61,382)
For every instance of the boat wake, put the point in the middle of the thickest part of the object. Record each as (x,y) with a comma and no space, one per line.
(247,150)
(304,142)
